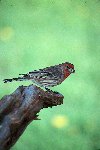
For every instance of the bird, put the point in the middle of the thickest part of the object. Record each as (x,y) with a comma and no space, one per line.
(47,77)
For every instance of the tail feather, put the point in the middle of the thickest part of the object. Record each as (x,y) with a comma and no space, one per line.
(7,80)
(13,79)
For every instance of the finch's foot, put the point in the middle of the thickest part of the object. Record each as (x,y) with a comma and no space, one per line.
(48,89)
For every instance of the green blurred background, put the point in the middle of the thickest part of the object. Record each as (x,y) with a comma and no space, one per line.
(39,33)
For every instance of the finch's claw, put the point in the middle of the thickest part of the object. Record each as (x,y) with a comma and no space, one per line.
(47,89)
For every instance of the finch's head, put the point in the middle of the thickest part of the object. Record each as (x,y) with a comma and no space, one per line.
(68,69)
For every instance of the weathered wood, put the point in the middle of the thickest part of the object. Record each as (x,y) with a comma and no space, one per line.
(18,109)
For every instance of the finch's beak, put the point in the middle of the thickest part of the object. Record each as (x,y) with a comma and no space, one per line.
(73,71)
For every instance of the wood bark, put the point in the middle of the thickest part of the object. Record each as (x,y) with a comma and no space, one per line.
(18,109)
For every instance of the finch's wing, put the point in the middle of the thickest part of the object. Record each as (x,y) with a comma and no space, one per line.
(40,75)
(45,79)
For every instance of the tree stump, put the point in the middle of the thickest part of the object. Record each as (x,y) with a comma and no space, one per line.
(18,109)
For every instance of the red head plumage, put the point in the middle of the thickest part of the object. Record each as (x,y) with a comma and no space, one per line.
(68,68)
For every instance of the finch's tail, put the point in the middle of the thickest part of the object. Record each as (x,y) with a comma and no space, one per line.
(14,79)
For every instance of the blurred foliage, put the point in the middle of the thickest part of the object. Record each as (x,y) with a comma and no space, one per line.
(35,34)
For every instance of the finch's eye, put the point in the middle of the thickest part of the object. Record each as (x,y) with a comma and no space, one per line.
(67,67)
